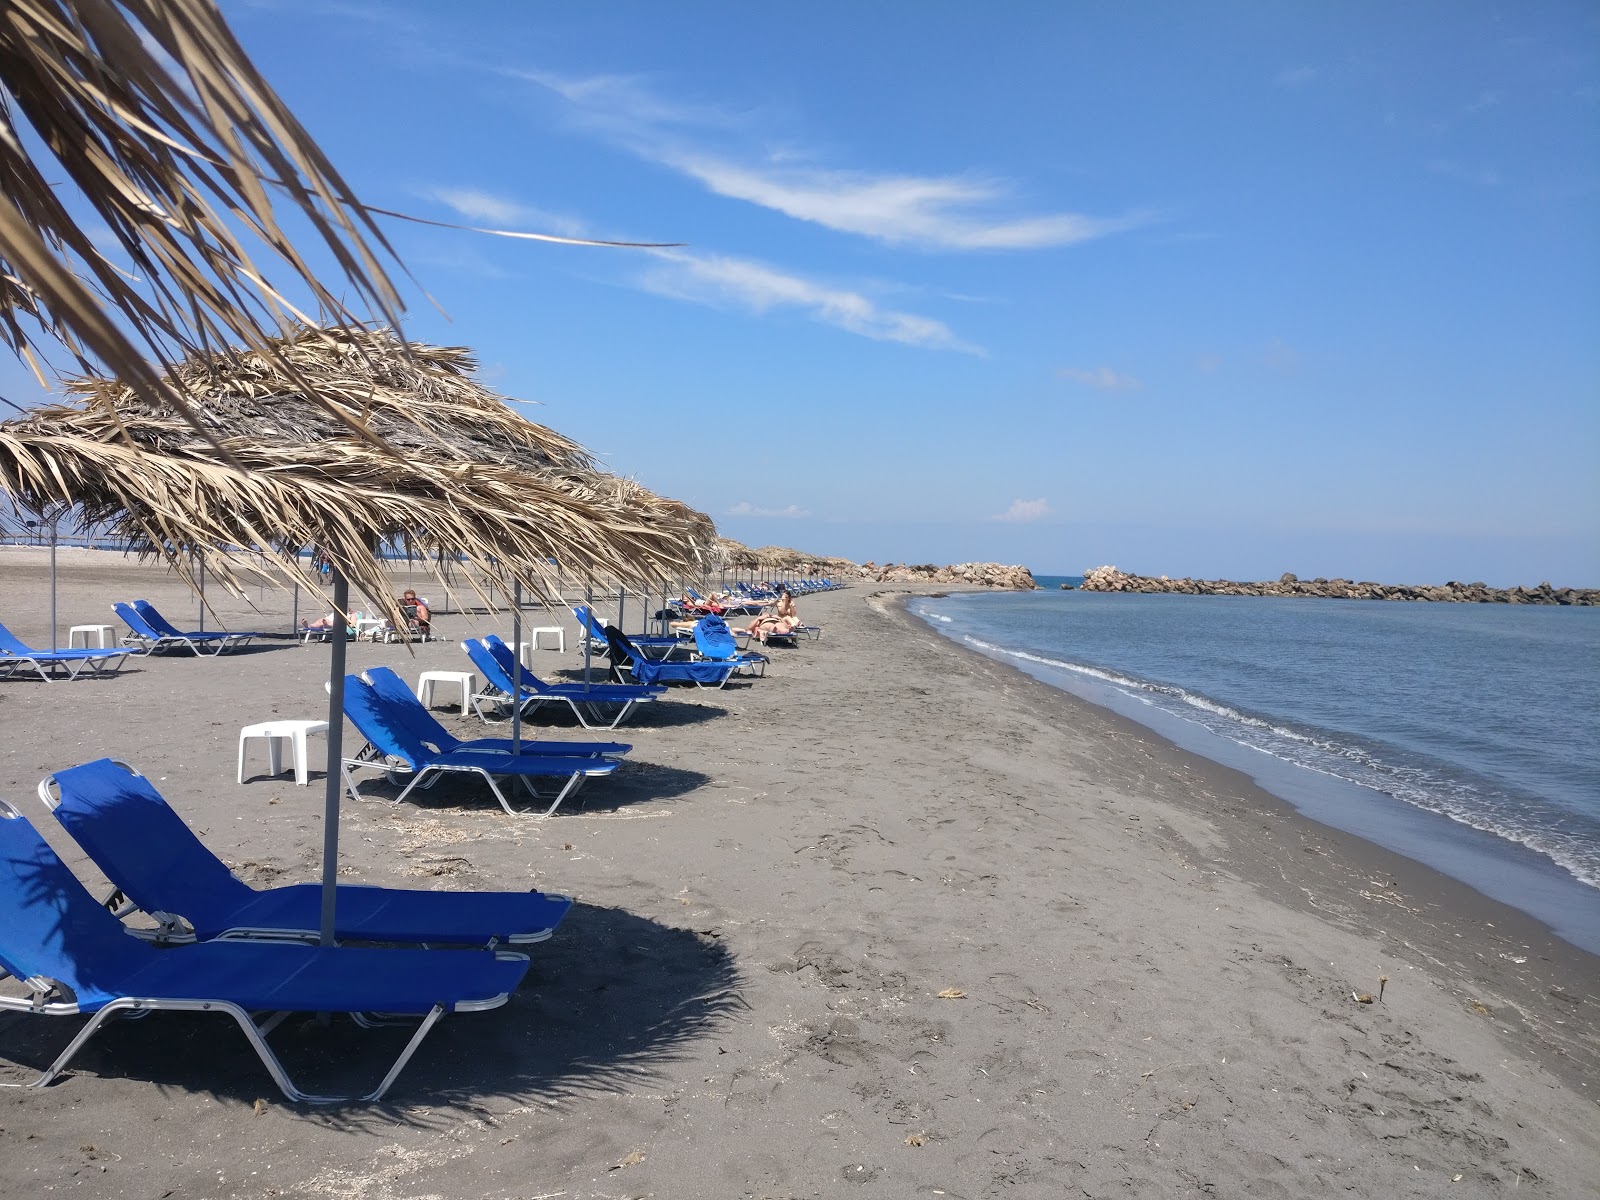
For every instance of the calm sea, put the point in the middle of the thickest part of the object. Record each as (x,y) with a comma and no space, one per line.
(1465,736)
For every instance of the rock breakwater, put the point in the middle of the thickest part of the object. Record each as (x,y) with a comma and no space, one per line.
(1109,579)
(995,575)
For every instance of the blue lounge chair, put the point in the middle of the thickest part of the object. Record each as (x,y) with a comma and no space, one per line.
(394,748)
(155,861)
(589,703)
(625,656)
(18,655)
(149,632)
(391,688)
(592,628)
(714,641)
(73,957)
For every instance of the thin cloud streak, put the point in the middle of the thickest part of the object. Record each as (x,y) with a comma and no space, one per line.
(899,210)
(473,204)
(933,212)
(1101,378)
(719,279)
(1022,511)
(790,511)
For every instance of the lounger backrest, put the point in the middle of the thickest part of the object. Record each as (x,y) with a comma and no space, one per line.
(508,664)
(10,644)
(493,673)
(621,648)
(712,636)
(134,619)
(51,926)
(157,622)
(141,845)
(378,722)
(392,690)
(587,621)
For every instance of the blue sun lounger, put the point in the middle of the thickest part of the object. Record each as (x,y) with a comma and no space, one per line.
(16,654)
(588,702)
(150,632)
(625,656)
(75,958)
(391,688)
(656,646)
(155,861)
(714,641)
(395,749)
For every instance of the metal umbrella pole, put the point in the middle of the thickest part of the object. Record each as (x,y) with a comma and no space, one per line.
(202,559)
(588,642)
(622,596)
(331,794)
(516,667)
(55,643)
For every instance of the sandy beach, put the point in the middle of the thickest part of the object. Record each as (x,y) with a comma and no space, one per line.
(894,920)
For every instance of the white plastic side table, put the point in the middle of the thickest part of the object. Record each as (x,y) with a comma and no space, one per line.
(276,734)
(560,635)
(102,634)
(466,680)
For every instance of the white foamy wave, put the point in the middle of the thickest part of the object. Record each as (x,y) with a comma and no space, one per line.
(1346,761)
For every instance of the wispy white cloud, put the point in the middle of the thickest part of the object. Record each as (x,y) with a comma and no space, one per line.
(1484,102)
(1024,510)
(1450,169)
(473,204)
(719,279)
(1296,76)
(745,509)
(936,212)
(1101,378)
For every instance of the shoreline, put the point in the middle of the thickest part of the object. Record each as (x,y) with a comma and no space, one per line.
(1428,911)
(1147,981)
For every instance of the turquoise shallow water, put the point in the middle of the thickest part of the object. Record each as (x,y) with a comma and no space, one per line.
(1462,735)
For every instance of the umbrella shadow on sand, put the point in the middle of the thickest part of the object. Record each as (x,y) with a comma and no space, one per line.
(609,1002)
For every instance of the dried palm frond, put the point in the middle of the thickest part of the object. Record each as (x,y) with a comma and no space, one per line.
(166,130)
(269,471)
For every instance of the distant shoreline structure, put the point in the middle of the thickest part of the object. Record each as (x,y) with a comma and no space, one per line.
(1109,579)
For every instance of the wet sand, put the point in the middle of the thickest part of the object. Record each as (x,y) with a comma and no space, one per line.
(1155,959)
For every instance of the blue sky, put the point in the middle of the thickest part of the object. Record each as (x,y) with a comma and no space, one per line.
(1218,289)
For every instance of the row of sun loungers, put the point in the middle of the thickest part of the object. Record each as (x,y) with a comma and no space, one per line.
(205,941)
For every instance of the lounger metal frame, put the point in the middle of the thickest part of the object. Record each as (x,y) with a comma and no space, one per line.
(370,758)
(41,988)
(97,665)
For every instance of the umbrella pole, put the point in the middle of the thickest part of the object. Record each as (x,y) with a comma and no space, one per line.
(202,559)
(588,642)
(516,667)
(54,636)
(294,616)
(622,597)
(331,796)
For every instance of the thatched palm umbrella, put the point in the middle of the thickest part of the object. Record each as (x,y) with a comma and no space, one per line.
(268,470)
(155,118)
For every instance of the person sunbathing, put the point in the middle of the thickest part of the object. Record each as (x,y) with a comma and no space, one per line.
(418,615)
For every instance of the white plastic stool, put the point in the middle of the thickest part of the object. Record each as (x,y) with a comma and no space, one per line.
(102,635)
(467,681)
(560,634)
(276,733)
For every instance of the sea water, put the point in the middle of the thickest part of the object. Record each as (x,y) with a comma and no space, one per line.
(1466,736)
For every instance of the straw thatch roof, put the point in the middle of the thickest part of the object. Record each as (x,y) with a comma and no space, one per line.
(270,469)
(152,114)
